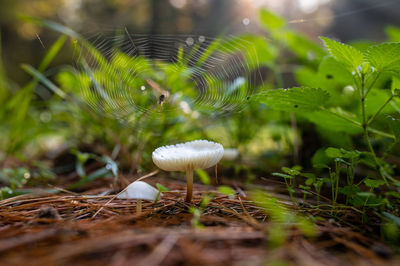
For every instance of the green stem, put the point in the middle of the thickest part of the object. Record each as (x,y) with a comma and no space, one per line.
(189,185)
(358,124)
(336,187)
(365,125)
(380,133)
(372,84)
(343,117)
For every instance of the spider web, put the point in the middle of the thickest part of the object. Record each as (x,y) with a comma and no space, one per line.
(130,74)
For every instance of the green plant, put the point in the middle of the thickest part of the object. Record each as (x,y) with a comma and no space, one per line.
(281,218)
(110,168)
(198,211)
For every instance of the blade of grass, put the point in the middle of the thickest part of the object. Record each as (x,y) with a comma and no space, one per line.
(39,76)
(51,25)
(52,52)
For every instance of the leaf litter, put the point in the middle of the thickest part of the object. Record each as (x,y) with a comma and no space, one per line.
(78,229)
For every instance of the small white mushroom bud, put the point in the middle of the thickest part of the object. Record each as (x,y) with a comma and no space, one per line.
(140,190)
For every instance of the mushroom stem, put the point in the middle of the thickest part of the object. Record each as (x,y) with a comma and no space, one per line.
(189,185)
(138,206)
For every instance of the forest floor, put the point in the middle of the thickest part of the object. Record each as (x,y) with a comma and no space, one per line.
(77,229)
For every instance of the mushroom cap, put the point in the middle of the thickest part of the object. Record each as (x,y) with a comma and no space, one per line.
(189,155)
(139,190)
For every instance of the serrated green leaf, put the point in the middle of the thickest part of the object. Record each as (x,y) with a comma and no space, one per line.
(320,160)
(365,194)
(270,21)
(349,190)
(332,71)
(375,100)
(330,121)
(282,175)
(341,153)
(368,159)
(372,183)
(295,99)
(333,153)
(384,57)
(343,53)
(290,171)
(362,45)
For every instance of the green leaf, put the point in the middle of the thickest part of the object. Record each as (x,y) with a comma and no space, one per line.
(270,21)
(29,69)
(365,194)
(309,176)
(320,160)
(349,190)
(295,99)
(290,171)
(205,201)
(362,45)
(282,175)
(372,183)
(330,121)
(393,218)
(396,86)
(305,188)
(205,179)
(368,159)
(393,33)
(110,165)
(53,51)
(343,53)
(162,188)
(395,126)
(226,190)
(207,53)
(333,153)
(384,57)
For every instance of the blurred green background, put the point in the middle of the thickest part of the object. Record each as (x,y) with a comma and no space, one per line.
(45,116)
(344,19)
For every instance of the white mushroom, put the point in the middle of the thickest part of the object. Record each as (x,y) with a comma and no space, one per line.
(230,154)
(187,157)
(140,190)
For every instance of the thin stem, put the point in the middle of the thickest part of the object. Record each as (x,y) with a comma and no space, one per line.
(343,117)
(337,182)
(380,133)
(365,125)
(189,185)
(293,123)
(358,124)
(380,109)
(138,206)
(372,84)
